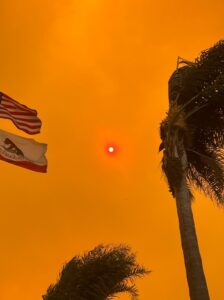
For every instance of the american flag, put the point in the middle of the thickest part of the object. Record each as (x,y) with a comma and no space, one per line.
(22,116)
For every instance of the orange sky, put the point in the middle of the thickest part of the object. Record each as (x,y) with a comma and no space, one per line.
(97,72)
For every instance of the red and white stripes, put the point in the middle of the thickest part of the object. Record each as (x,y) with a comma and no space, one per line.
(22,116)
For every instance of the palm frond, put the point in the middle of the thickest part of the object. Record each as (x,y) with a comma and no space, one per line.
(98,275)
(125,288)
(206,172)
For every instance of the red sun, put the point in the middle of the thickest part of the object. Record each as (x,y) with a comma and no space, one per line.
(111,149)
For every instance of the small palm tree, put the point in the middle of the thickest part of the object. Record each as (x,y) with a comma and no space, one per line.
(99,274)
(192,141)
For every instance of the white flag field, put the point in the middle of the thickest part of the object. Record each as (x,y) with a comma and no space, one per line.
(21,151)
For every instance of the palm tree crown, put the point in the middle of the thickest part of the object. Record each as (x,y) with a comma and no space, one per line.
(98,275)
(196,116)
(192,142)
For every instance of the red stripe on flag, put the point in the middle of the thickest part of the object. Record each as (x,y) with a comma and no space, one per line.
(22,127)
(22,116)
(7,103)
(4,97)
(26,164)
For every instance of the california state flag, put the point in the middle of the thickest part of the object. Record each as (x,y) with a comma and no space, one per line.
(23,152)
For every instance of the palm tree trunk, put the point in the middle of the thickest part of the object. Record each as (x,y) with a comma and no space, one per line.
(193,263)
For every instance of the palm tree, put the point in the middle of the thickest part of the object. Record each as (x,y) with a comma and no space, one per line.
(192,140)
(99,274)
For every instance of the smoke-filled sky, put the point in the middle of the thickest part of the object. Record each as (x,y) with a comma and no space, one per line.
(97,73)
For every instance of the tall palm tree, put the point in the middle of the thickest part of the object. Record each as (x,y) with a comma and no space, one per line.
(99,274)
(192,141)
